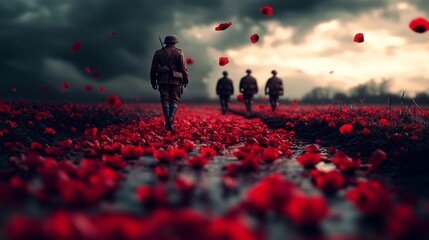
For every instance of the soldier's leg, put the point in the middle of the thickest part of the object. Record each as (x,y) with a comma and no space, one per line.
(175,94)
(165,101)
(272,103)
(221,102)
(276,101)
(226,101)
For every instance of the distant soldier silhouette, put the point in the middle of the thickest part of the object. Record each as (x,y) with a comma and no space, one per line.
(249,87)
(274,88)
(169,75)
(224,89)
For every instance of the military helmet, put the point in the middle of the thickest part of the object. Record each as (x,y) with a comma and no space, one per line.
(171,39)
(225,73)
(248,71)
(274,72)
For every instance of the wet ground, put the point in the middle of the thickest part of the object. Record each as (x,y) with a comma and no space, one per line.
(210,198)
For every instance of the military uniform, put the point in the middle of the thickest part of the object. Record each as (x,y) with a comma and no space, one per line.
(249,87)
(170,88)
(224,88)
(274,88)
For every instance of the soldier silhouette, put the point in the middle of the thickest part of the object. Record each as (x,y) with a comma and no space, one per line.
(224,89)
(249,87)
(169,75)
(274,88)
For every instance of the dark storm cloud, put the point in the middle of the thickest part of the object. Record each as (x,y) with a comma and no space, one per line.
(34,32)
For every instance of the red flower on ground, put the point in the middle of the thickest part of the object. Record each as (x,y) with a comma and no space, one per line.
(267,10)
(254,38)
(305,210)
(370,197)
(359,38)
(309,159)
(240,98)
(402,222)
(271,193)
(223,26)
(346,129)
(331,181)
(162,156)
(184,184)
(132,151)
(114,100)
(88,70)
(178,153)
(223,61)
(75,46)
(377,157)
(101,89)
(189,61)
(384,123)
(188,145)
(162,173)
(152,196)
(207,151)
(115,161)
(198,161)
(270,155)
(294,102)
(419,25)
(344,163)
(36,146)
(229,228)
(50,131)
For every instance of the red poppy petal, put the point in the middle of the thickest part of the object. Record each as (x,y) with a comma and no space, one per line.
(223,61)
(75,46)
(419,25)
(359,38)
(223,26)
(254,38)
(267,10)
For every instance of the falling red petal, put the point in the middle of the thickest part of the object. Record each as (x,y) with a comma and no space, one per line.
(267,10)
(223,26)
(189,61)
(75,46)
(359,38)
(254,38)
(223,61)
(419,25)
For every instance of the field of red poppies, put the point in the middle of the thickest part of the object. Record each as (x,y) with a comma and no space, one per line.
(110,171)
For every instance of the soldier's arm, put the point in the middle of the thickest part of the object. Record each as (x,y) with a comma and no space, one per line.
(256,84)
(217,87)
(241,85)
(232,87)
(183,69)
(153,70)
(266,86)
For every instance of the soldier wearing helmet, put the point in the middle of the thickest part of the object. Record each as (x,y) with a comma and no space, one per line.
(169,75)
(224,88)
(248,87)
(274,88)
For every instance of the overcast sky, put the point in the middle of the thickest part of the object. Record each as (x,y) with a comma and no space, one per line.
(304,40)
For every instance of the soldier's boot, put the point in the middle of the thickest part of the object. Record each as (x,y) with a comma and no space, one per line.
(273,106)
(223,107)
(248,109)
(166,110)
(173,109)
